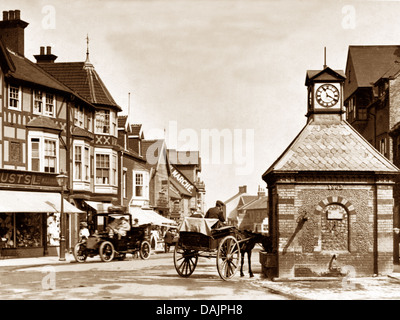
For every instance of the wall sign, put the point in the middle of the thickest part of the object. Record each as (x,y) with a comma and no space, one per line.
(28,178)
(185,183)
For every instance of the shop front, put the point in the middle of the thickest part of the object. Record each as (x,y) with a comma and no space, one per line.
(30,218)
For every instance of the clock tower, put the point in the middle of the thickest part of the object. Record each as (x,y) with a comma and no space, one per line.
(325,93)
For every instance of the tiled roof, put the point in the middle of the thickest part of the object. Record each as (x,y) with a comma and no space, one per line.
(259,203)
(371,62)
(82,78)
(135,129)
(325,146)
(43,122)
(122,121)
(188,157)
(28,71)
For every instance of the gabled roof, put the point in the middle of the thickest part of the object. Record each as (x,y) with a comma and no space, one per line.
(26,70)
(182,158)
(136,129)
(82,78)
(327,146)
(371,62)
(327,74)
(122,122)
(154,152)
(257,204)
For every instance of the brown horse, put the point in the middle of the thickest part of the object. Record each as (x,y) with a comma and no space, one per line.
(247,242)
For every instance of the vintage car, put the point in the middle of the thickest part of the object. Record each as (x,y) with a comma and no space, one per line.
(107,242)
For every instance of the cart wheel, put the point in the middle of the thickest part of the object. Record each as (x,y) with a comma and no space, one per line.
(185,261)
(80,253)
(106,251)
(145,250)
(228,257)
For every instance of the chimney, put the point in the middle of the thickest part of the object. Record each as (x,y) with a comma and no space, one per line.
(12,31)
(243,189)
(261,192)
(47,57)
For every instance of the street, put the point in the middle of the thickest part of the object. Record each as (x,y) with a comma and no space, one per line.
(133,278)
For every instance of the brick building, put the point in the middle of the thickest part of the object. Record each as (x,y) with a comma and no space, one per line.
(372,100)
(330,194)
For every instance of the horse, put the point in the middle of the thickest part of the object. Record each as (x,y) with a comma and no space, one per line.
(247,242)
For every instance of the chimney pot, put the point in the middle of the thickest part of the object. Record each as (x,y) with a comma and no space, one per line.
(41,51)
(17,14)
(5,15)
(48,48)
(11,15)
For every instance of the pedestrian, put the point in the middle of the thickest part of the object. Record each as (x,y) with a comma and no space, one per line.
(83,232)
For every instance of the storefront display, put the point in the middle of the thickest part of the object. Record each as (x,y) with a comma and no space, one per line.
(7,229)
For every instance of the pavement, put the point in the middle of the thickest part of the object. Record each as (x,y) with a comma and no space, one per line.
(381,287)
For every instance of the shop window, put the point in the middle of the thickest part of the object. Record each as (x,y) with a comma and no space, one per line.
(7,229)
(29,229)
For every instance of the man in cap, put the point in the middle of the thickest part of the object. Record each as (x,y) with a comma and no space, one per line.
(216,212)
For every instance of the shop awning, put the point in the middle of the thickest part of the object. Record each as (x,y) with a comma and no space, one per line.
(25,201)
(100,207)
(150,216)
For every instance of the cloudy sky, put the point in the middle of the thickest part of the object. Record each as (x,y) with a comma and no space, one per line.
(198,70)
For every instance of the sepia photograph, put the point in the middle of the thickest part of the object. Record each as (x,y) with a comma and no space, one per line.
(199,157)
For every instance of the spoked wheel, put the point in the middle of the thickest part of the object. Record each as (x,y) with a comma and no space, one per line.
(228,257)
(145,250)
(185,261)
(80,253)
(106,251)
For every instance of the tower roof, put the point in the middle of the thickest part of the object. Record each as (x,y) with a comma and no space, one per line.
(82,78)
(334,145)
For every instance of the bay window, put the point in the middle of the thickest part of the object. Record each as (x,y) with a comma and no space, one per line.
(43,152)
(81,162)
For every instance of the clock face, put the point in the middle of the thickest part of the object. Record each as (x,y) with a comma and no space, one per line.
(327,95)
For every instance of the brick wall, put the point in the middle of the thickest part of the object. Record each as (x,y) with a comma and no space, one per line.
(306,240)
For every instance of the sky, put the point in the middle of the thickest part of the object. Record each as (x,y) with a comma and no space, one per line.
(224,77)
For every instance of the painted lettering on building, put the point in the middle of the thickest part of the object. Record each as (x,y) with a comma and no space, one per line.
(31,179)
(182,180)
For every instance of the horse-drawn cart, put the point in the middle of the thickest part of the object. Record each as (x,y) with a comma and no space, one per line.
(199,237)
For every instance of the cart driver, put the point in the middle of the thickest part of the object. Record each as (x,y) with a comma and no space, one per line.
(217,212)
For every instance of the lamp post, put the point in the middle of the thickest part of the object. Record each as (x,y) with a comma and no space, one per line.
(62,181)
